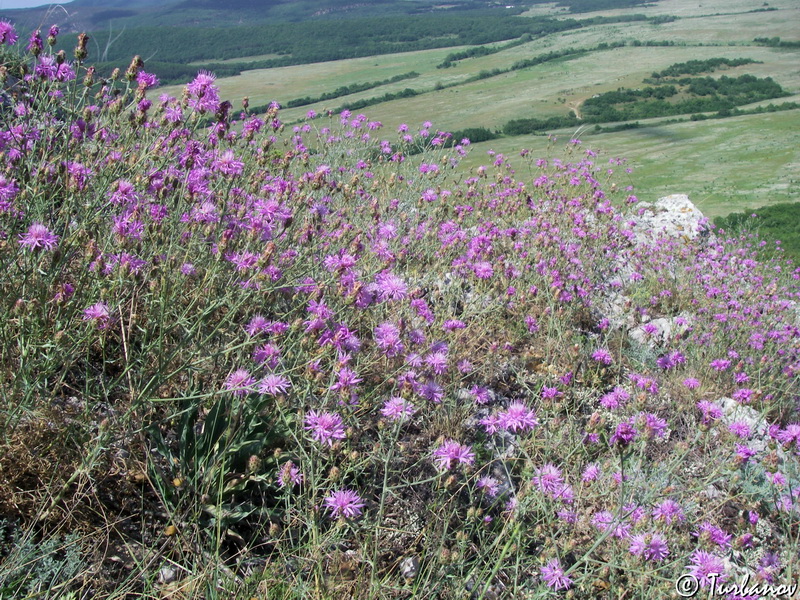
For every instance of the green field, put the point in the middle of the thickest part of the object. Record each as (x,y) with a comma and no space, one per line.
(723,164)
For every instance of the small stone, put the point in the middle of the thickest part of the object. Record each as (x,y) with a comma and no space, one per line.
(409,567)
(167,575)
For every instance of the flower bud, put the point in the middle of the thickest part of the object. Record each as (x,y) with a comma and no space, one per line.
(133,69)
(80,50)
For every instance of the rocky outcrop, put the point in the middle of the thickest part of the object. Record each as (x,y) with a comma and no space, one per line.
(672,216)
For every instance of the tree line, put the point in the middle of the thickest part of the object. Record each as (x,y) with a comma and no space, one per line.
(706,95)
(346,90)
(695,67)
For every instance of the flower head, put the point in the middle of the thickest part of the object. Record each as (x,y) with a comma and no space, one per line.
(707,568)
(650,546)
(602,356)
(344,504)
(289,475)
(668,511)
(517,417)
(390,287)
(8,34)
(451,452)
(99,313)
(624,434)
(240,383)
(489,485)
(398,409)
(38,236)
(203,94)
(274,385)
(553,575)
(325,427)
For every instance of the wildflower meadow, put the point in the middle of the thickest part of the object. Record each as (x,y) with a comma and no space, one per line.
(243,358)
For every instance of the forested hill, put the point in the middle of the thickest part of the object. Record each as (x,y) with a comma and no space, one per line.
(115,15)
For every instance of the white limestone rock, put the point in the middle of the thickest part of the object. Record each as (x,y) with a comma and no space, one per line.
(672,216)
(666,328)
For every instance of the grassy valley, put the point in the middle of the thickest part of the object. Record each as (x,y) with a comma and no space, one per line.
(487,91)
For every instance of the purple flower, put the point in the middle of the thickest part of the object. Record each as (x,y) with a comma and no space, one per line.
(790,435)
(483,269)
(653,426)
(390,287)
(203,94)
(289,475)
(453,324)
(430,390)
(548,479)
(714,534)
(344,504)
(398,409)
(670,360)
(668,511)
(387,337)
(99,313)
(38,236)
(517,417)
(451,452)
(744,453)
(624,434)
(146,80)
(347,379)
(550,392)
(481,394)
(590,473)
(324,427)
(707,568)
(240,383)
(740,429)
(274,385)
(267,353)
(615,398)
(651,546)
(437,361)
(8,190)
(602,356)
(553,575)
(488,484)
(711,412)
(35,44)
(8,34)
(691,383)
(720,364)
(603,520)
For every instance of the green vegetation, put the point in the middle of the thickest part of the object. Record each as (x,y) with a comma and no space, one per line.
(705,94)
(695,67)
(774,222)
(387,97)
(451,59)
(541,126)
(474,134)
(298,363)
(776,42)
(353,88)
(316,41)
